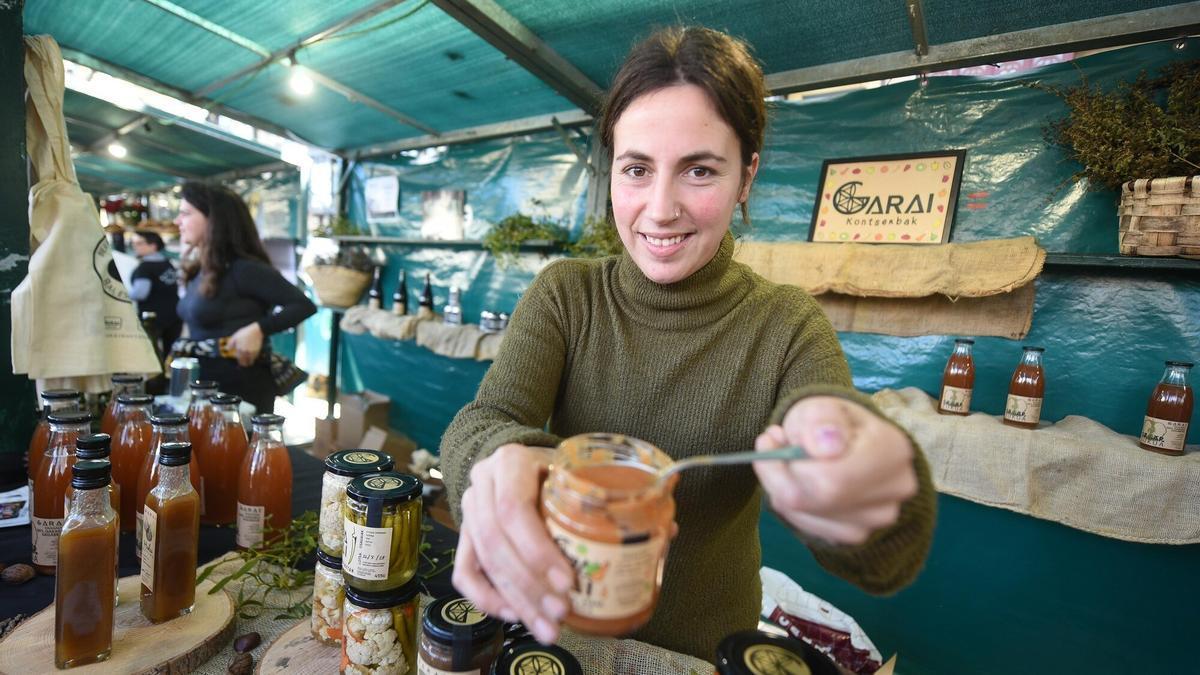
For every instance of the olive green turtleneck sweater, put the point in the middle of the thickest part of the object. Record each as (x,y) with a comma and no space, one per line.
(699,366)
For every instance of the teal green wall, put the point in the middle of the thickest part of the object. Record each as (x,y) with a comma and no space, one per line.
(1001,593)
(17,397)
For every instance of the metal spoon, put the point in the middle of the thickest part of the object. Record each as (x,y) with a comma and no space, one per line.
(783,454)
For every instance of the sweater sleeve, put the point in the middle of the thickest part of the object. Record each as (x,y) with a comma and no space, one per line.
(266,285)
(892,557)
(516,397)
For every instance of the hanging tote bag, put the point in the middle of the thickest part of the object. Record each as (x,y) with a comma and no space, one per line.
(73,321)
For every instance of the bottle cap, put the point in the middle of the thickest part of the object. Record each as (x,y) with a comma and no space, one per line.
(126,378)
(964,341)
(453,620)
(204,384)
(135,399)
(1180,364)
(175,454)
(267,418)
(226,399)
(59,394)
(358,462)
(1034,349)
(95,446)
(753,653)
(69,417)
(168,420)
(531,656)
(90,474)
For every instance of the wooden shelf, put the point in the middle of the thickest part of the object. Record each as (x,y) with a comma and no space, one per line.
(1068,262)
(532,245)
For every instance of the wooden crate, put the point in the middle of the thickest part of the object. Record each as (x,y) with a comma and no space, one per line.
(1160,217)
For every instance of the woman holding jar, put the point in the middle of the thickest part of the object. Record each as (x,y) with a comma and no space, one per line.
(674,343)
(232,294)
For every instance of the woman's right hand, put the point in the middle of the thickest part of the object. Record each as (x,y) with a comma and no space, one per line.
(506,563)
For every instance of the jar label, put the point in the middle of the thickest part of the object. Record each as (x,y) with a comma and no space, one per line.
(366,551)
(956,399)
(149,534)
(45,540)
(426,669)
(612,581)
(250,525)
(1165,434)
(1023,409)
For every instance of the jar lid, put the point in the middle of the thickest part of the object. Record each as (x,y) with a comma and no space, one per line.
(95,446)
(753,653)
(332,562)
(135,399)
(226,399)
(59,394)
(383,599)
(204,384)
(358,462)
(168,420)
(69,417)
(1181,364)
(267,418)
(90,474)
(453,620)
(388,487)
(531,656)
(175,454)
(126,378)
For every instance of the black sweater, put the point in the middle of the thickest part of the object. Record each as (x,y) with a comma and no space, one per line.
(249,291)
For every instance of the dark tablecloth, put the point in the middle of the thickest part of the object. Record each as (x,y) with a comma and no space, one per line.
(38,593)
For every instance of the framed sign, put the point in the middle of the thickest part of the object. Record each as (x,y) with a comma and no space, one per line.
(888,199)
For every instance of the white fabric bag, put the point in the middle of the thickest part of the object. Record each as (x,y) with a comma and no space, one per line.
(73,321)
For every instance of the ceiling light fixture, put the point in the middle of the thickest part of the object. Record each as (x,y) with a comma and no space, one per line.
(117,150)
(300,82)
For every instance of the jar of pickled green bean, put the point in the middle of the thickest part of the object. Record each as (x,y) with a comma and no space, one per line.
(379,630)
(382,519)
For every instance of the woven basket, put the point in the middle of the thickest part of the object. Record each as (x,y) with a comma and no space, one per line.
(338,286)
(1160,217)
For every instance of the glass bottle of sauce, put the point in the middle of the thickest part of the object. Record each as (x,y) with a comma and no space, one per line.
(1169,412)
(170,538)
(50,486)
(224,450)
(53,401)
(606,509)
(264,495)
(199,414)
(1026,391)
(86,587)
(958,380)
(131,444)
(171,428)
(122,383)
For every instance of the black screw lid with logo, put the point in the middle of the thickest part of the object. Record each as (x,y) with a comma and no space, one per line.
(379,490)
(358,462)
(454,622)
(750,652)
(90,474)
(531,656)
(175,454)
(95,446)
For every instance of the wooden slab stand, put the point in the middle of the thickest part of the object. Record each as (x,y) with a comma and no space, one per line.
(297,652)
(140,647)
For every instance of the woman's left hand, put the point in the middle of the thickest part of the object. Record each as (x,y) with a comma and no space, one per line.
(859,470)
(247,342)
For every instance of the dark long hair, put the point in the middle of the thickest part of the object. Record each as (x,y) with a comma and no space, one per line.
(231,234)
(719,64)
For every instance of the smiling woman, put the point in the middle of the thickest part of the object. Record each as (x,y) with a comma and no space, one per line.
(675,344)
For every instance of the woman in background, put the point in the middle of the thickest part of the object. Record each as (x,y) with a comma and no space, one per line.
(232,293)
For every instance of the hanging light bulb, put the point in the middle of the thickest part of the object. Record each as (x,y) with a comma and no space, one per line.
(117,150)
(299,81)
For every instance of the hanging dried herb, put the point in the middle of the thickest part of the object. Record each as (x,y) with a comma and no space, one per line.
(1149,128)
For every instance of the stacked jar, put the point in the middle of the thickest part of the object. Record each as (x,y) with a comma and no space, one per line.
(341,468)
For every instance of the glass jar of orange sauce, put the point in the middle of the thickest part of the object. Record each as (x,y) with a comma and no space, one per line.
(606,509)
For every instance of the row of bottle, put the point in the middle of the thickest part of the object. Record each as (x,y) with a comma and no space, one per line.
(85,591)
(452,313)
(239,480)
(1164,428)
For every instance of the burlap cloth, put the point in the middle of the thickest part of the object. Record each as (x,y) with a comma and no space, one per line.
(464,341)
(1076,472)
(975,288)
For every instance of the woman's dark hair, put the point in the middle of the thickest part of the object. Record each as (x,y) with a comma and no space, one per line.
(231,234)
(151,238)
(717,63)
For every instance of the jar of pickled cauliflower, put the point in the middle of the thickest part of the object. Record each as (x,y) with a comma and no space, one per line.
(329,592)
(379,630)
(341,468)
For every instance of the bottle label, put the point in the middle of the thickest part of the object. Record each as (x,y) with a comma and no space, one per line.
(45,540)
(149,535)
(1164,434)
(612,581)
(426,669)
(250,525)
(366,552)
(956,399)
(1023,409)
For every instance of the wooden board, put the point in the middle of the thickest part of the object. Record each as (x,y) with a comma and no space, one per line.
(176,646)
(297,652)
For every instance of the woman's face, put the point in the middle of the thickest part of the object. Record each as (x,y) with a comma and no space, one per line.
(677,177)
(193,225)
